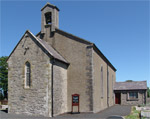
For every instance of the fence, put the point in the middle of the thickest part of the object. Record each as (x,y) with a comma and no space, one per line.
(3,102)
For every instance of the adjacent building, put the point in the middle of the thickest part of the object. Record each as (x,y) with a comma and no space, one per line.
(46,69)
(130,93)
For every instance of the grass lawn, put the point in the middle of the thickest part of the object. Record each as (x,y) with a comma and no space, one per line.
(134,114)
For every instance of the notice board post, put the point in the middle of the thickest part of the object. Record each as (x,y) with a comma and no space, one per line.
(75,101)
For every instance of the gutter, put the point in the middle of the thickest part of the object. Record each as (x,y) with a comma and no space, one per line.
(52,98)
(107,87)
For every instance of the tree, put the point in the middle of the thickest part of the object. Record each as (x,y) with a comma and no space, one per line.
(4,75)
(1,94)
(129,81)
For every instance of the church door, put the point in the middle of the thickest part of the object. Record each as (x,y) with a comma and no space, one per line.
(118,98)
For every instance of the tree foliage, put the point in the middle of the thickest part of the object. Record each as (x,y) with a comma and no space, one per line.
(129,81)
(4,74)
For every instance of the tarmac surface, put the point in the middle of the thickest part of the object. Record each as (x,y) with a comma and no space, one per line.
(114,110)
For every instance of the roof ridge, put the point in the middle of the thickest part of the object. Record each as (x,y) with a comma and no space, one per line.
(74,36)
(53,48)
(40,41)
(49,4)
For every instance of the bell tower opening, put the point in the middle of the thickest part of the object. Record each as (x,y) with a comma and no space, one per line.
(48,18)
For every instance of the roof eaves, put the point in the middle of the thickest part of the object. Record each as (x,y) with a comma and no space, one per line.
(94,47)
(103,57)
(81,39)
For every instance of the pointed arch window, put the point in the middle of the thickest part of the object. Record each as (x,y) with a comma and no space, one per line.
(102,90)
(27,75)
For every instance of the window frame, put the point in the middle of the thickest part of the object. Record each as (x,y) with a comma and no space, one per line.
(27,81)
(134,96)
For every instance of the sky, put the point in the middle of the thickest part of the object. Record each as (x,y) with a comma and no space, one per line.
(120,29)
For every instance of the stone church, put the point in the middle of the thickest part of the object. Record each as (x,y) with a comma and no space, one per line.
(47,69)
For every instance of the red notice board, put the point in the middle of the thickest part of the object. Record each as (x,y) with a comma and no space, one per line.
(75,101)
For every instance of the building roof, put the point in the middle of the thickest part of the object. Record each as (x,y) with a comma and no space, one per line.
(51,51)
(50,5)
(135,85)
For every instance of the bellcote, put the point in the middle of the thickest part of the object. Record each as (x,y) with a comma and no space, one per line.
(50,17)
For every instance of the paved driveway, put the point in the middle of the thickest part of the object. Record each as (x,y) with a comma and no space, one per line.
(114,110)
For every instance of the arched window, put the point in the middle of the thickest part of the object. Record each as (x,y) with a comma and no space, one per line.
(27,75)
(102,91)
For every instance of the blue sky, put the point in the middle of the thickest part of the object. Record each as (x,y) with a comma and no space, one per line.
(120,29)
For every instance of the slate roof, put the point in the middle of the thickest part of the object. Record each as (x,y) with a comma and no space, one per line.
(50,5)
(135,85)
(49,49)
(52,52)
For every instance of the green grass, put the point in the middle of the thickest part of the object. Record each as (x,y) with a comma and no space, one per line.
(134,114)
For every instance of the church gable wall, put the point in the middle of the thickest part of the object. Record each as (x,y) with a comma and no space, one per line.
(33,100)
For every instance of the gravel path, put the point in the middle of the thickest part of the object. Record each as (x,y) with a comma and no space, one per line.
(114,110)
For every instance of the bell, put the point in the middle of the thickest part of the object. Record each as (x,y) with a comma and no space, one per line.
(48,18)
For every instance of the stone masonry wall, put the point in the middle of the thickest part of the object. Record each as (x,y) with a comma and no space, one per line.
(125,101)
(32,101)
(59,88)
